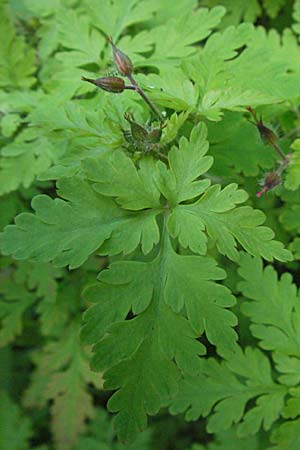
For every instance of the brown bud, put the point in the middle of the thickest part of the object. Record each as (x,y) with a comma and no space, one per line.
(270,181)
(266,134)
(109,84)
(122,61)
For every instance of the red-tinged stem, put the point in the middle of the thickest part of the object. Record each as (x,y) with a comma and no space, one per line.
(280,152)
(140,91)
(282,166)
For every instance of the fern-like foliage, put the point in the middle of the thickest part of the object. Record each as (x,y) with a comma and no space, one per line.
(171,295)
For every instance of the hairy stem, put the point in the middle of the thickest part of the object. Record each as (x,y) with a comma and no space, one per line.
(140,91)
(280,152)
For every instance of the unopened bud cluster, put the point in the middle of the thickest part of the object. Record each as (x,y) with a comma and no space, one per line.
(269,182)
(141,137)
(115,85)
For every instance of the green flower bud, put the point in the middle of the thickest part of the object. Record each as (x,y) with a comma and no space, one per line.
(154,136)
(122,61)
(138,132)
(109,84)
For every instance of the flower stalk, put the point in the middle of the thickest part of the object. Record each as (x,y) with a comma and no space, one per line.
(117,85)
(267,135)
(271,179)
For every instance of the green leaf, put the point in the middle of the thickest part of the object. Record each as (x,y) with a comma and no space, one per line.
(290,211)
(286,437)
(225,389)
(273,7)
(228,79)
(236,142)
(68,232)
(21,288)
(292,178)
(75,33)
(22,161)
(228,440)
(62,376)
(39,277)
(237,11)
(145,368)
(215,212)
(116,16)
(170,89)
(174,39)
(9,124)
(273,307)
(187,163)
(116,176)
(15,301)
(296,17)
(15,428)
(17,60)
(173,125)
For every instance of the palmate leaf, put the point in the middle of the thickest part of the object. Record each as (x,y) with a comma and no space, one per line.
(77,227)
(181,32)
(174,298)
(225,389)
(142,367)
(215,212)
(227,80)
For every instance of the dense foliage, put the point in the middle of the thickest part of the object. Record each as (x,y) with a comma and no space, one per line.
(150,217)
